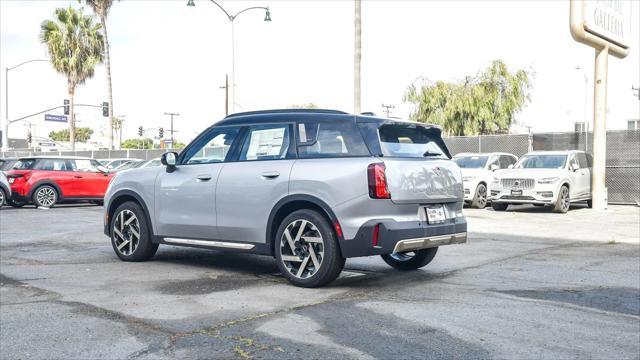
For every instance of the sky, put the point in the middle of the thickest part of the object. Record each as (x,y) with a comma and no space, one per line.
(167,57)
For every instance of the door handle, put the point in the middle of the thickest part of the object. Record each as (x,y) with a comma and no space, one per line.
(203,177)
(77,176)
(270,174)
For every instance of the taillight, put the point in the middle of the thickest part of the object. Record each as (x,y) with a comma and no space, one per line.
(377,182)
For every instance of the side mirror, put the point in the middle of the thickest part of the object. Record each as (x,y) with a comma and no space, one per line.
(103,169)
(510,166)
(575,167)
(494,167)
(169,159)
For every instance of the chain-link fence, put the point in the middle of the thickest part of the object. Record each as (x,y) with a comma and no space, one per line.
(623,154)
(95,154)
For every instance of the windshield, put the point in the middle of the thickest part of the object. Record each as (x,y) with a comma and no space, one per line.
(541,162)
(471,162)
(399,140)
(24,164)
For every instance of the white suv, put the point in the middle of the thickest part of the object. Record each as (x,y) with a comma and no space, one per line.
(555,178)
(478,171)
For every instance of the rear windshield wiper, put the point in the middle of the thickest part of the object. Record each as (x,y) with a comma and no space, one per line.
(429,153)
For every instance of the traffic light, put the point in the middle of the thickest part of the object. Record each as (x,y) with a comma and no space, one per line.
(105,109)
(66,107)
(140,131)
(161,133)
(29,137)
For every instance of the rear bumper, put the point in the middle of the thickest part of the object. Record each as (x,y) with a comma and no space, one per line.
(396,236)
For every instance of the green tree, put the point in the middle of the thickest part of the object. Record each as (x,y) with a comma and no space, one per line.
(101,8)
(144,143)
(483,104)
(83,134)
(75,47)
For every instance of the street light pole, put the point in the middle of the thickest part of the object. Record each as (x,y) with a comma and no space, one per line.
(172,115)
(5,133)
(232,18)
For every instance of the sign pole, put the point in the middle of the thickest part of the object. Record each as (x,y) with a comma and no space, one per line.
(599,192)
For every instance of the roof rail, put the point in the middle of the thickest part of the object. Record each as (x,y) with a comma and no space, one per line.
(285,111)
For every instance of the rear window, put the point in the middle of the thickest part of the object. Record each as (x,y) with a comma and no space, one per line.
(24,164)
(409,140)
(332,139)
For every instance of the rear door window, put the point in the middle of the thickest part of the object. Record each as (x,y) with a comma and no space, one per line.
(53,165)
(266,142)
(409,140)
(332,139)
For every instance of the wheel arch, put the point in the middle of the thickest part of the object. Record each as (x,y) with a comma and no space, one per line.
(120,198)
(289,204)
(40,183)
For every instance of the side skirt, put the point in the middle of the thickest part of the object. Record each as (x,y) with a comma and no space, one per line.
(251,248)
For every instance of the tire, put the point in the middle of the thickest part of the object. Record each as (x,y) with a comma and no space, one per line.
(480,198)
(564,201)
(16,204)
(410,260)
(499,206)
(303,262)
(128,220)
(45,196)
(590,204)
(3,197)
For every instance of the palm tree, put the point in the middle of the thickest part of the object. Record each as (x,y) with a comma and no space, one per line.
(101,8)
(75,47)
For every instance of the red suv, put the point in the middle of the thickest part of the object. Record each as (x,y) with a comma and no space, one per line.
(45,181)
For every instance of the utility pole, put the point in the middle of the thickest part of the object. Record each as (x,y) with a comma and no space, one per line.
(387,108)
(171,131)
(357,58)
(226,94)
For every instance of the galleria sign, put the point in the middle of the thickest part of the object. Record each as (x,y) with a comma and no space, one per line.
(602,23)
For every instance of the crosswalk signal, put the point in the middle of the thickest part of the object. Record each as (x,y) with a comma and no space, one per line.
(105,109)
(66,107)
(140,131)
(161,133)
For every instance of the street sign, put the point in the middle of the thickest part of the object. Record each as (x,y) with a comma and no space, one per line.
(168,141)
(56,118)
(602,24)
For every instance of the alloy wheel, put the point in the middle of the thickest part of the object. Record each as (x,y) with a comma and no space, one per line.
(403,256)
(1,198)
(126,232)
(482,196)
(302,248)
(564,198)
(46,196)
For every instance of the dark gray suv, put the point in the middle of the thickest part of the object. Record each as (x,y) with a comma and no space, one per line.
(309,187)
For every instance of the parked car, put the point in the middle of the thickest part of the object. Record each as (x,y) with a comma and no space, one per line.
(554,178)
(149,163)
(478,170)
(127,165)
(45,181)
(5,189)
(7,163)
(309,187)
(114,163)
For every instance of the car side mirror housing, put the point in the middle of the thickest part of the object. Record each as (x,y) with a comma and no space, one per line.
(170,160)
(494,167)
(510,166)
(575,167)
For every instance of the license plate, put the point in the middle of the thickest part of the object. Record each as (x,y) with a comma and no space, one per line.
(435,215)
(516,192)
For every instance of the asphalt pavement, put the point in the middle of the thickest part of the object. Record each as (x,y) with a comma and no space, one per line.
(528,284)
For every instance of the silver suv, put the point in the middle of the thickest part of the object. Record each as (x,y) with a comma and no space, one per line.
(309,187)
